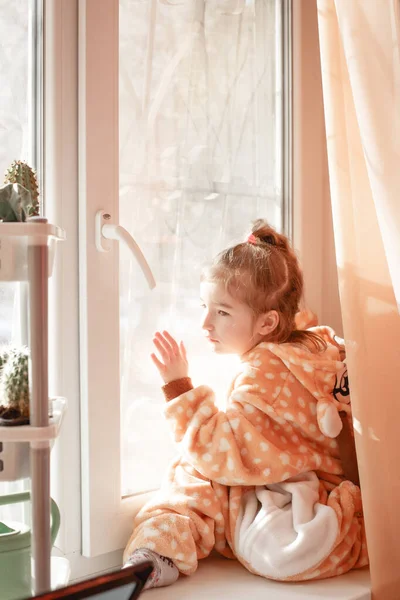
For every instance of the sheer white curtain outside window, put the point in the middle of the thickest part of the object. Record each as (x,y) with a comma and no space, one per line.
(360,60)
(17,140)
(201,156)
(15,133)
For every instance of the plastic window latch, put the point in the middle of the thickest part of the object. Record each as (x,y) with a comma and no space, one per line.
(105,232)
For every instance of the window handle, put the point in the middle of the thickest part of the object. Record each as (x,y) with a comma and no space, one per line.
(108,231)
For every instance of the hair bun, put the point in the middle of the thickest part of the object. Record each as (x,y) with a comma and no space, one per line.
(268,239)
(267,234)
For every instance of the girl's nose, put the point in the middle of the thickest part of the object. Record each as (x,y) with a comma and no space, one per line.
(206,322)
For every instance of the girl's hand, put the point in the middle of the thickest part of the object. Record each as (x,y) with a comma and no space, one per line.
(173,364)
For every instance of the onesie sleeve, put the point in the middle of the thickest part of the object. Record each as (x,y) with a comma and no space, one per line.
(177,387)
(232,447)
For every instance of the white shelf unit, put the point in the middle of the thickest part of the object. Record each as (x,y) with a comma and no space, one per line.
(27,255)
(29,433)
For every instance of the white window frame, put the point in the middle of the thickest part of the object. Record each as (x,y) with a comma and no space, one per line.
(96,522)
(84,339)
(60,162)
(106,518)
(73,487)
(71,455)
(61,175)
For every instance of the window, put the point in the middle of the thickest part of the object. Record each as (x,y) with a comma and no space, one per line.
(19,107)
(200,156)
(197,92)
(20,135)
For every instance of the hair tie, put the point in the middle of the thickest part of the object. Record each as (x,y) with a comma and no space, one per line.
(251,239)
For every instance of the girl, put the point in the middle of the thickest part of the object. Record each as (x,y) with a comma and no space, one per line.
(263,481)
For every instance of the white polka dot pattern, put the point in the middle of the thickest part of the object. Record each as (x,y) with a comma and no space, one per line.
(276,425)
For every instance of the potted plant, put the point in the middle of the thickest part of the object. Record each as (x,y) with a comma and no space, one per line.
(19,197)
(14,410)
(14,386)
(19,204)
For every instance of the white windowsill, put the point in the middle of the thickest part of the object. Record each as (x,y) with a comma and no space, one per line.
(218,578)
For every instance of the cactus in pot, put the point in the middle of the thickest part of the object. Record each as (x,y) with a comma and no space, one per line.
(21,173)
(14,386)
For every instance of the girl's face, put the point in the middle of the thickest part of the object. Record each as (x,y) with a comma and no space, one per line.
(229,324)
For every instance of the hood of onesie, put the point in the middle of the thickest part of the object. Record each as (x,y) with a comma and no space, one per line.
(319,373)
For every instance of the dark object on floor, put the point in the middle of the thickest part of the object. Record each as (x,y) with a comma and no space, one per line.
(123,584)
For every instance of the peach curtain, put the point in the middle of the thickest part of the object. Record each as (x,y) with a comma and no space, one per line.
(360,62)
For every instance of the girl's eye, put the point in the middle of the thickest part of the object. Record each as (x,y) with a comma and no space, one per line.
(202,306)
(223,313)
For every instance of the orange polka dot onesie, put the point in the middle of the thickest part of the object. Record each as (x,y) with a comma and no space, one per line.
(261,481)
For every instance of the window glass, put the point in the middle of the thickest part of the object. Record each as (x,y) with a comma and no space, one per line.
(15,127)
(200,158)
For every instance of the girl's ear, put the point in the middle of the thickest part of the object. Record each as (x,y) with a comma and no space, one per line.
(267,322)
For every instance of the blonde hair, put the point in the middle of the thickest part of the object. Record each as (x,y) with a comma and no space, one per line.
(264,273)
